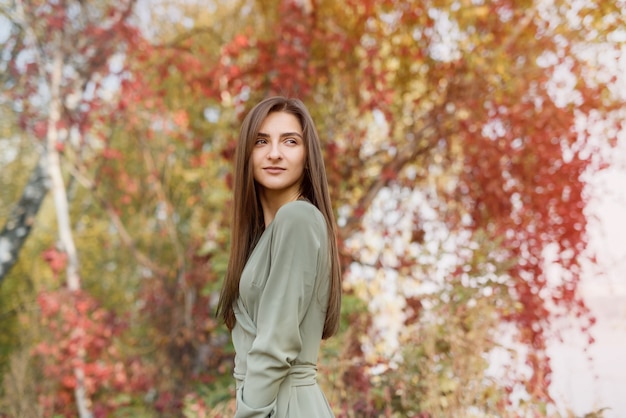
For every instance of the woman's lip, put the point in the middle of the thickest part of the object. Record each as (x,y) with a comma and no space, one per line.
(274,170)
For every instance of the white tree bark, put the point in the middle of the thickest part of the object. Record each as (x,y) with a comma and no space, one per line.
(57,184)
(22,218)
(59,195)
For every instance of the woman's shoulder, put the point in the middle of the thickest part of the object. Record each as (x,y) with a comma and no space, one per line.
(299,211)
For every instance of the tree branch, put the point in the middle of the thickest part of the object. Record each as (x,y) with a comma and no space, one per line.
(404,156)
(126,238)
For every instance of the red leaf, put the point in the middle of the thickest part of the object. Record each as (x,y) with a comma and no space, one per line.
(56,259)
(111,154)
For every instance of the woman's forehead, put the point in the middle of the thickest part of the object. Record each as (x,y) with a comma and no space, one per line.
(278,122)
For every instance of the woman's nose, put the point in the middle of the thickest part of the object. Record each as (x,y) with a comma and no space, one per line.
(274,152)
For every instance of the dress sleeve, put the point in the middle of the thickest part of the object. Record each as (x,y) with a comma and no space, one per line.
(283,303)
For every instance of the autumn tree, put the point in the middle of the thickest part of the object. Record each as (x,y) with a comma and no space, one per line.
(464,109)
(125,152)
(58,60)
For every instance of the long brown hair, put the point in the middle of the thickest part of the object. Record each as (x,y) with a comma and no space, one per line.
(247,223)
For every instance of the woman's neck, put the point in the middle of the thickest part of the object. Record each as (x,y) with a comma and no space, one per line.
(271,202)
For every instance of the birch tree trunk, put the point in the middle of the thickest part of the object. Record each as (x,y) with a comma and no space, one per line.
(57,185)
(59,195)
(22,217)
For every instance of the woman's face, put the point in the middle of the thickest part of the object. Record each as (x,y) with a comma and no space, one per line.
(279,154)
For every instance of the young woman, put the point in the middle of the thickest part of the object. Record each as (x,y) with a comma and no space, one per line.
(282,291)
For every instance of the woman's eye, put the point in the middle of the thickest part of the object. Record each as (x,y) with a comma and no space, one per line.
(260,141)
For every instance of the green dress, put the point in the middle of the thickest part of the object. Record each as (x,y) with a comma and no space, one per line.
(280,312)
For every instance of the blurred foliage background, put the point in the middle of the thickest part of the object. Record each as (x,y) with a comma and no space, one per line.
(457,137)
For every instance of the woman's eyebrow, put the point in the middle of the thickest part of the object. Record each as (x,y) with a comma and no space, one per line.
(291,134)
(283,135)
